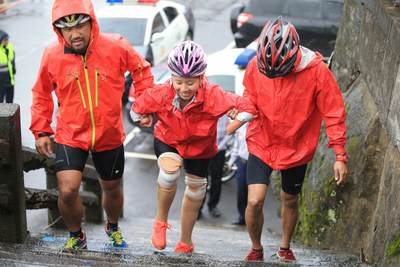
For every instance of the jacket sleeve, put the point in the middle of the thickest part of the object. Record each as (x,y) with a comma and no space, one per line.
(331,105)
(250,94)
(42,102)
(14,69)
(140,70)
(224,101)
(150,101)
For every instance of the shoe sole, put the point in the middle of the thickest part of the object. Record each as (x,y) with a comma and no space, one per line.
(283,259)
(157,247)
(73,249)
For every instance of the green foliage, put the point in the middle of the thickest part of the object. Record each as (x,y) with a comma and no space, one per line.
(317,212)
(393,249)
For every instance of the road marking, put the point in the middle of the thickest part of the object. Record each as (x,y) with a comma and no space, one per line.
(129,137)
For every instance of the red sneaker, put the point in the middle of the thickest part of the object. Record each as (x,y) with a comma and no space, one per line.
(183,248)
(159,235)
(285,255)
(255,255)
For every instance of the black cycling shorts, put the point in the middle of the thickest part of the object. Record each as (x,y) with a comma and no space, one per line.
(109,164)
(258,172)
(198,167)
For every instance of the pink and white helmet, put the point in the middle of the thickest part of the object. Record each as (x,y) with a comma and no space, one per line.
(187,59)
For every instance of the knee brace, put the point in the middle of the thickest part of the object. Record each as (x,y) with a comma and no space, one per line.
(195,188)
(170,164)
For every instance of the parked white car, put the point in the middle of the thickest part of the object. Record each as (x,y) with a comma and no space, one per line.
(152,26)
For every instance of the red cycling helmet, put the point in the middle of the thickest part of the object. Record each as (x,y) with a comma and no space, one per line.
(277,48)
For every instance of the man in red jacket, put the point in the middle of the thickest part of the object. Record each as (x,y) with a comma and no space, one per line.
(293,91)
(85,69)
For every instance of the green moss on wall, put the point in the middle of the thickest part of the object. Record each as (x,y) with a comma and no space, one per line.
(352,144)
(317,212)
(393,250)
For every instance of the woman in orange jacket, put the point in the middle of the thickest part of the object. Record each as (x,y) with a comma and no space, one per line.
(187,108)
(85,69)
(293,91)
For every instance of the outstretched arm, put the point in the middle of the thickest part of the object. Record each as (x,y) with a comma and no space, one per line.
(233,126)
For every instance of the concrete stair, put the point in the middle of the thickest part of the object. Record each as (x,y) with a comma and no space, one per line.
(224,245)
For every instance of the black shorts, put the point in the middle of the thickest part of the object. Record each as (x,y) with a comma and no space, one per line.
(198,167)
(109,164)
(258,172)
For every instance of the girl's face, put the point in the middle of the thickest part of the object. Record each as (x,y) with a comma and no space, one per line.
(186,88)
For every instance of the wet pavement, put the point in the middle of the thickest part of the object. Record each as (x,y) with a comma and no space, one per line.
(214,246)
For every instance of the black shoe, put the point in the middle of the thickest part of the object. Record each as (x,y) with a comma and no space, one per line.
(215,212)
(239,222)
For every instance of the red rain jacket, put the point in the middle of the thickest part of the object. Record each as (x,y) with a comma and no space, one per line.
(285,132)
(191,131)
(88,88)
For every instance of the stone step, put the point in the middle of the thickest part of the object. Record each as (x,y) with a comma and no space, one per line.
(214,246)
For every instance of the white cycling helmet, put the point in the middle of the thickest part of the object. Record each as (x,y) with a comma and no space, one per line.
(71,20)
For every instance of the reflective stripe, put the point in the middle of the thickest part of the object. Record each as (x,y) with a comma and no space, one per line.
(4,69)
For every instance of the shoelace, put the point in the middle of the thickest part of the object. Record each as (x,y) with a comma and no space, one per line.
(71,242)
(116,236)
(184,248)
(159,227)
(255,255)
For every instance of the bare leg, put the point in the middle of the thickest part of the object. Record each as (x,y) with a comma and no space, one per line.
(190,210)
(165,199)
(69,202)
(113,199)
(289,215)
(254,213)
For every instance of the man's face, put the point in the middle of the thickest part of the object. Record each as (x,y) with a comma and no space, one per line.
(4,42)
(78,37)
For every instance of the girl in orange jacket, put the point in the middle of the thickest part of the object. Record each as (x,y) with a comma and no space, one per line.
(187,108)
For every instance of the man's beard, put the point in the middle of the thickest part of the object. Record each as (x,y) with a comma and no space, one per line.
(80,51)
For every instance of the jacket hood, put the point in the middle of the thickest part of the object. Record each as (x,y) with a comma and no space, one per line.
(62,8)
(3,35)
(308,58)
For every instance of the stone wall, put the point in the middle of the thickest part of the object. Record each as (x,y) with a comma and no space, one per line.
(363,214)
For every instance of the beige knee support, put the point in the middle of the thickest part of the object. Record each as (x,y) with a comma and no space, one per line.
(170,164)
(195,187)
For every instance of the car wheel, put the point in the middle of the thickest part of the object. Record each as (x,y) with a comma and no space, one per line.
(228,174)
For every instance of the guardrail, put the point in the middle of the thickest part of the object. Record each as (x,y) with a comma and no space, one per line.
(15,199)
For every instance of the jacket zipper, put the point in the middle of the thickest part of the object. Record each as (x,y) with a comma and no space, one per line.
(140,70)
(80,89)
(90,101)
(97,86)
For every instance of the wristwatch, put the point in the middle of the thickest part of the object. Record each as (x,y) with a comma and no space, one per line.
(43,134)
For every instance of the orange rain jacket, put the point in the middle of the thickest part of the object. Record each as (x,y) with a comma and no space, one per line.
(193,130)
(285,132)
(88,88)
